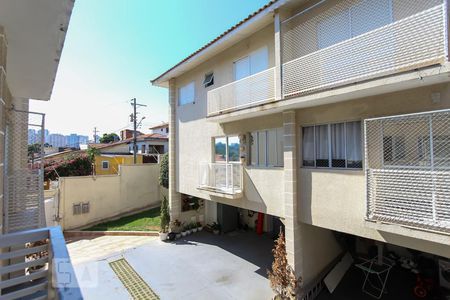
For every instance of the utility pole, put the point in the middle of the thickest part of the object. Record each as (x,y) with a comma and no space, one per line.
(95,135)
(134,120)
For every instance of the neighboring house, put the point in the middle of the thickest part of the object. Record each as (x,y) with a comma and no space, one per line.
(32,35)
(153,143)
(332,117)
(106,164)
(128,134)
(162,129)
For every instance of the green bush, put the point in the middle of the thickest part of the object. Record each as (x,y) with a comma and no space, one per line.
(165,216)
(164,171)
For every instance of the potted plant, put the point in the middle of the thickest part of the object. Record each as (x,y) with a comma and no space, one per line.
(189,228)
(194,227)
(199,226)
(184,231)
(165,219)
(176,228)
(216,228)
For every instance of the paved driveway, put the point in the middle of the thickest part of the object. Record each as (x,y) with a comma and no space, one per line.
(202,266)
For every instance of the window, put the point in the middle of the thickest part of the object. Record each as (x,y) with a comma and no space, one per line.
(143,149)
(332,145)
(227,149)
(186,94)
(105,165)
(266,148)
(209,80)
(255,62)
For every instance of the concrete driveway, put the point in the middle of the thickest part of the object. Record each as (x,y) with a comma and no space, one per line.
(200,266)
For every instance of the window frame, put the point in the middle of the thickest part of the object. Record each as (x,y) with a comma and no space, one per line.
(227,161)
(210,82)
(193,96)
(329,139)
(107,162)
(266,150)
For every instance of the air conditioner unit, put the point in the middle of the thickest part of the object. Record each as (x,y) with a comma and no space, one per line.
(444,273)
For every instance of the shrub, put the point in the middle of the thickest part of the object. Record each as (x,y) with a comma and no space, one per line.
(78,165)
(164,171)
(165,216)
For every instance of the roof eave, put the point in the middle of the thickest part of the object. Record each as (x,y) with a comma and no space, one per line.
(220,44)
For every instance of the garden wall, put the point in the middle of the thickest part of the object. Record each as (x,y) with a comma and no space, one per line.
(136,187)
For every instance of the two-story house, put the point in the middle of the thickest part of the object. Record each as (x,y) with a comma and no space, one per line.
(332,116)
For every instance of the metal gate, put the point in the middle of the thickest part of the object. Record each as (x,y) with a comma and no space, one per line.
(24,171)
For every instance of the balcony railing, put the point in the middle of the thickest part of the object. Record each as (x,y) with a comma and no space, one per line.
(36,265)
(252,90)
(343,42)
(225,178)
(408,170)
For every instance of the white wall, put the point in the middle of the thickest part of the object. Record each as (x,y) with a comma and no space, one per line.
(136,187)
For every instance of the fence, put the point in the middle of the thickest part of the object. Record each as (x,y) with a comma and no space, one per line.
(408,169)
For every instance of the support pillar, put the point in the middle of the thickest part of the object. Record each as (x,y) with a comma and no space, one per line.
(174,196)
(292,228)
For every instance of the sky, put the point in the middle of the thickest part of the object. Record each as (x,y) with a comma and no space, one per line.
(113,48)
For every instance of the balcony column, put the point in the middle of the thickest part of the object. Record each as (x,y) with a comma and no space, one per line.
(292,228)
(174,196)
(278,60)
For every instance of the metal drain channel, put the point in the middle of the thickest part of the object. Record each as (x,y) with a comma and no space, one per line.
(135,285)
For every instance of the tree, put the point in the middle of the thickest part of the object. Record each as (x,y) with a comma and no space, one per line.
(164,171)
(165,216)
(282,278)
(33,150)
(109,138)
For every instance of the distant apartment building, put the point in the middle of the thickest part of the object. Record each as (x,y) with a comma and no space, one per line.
(57,140)
(328,117)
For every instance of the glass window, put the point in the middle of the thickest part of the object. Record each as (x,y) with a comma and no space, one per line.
(322,144)
(338,145)
(105,164)
(255,62)
(187,94)
(209,79)
(308,147)
(262,148)
(233,149)
(266,148)
(354,153)
(220,149)
(332,145)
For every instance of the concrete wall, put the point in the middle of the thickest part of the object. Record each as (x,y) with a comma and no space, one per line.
(336,199)
(136,187)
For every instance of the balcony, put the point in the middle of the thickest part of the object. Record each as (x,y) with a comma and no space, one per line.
(223,179)
(408,170)
(249,91)
(36,265)
(338,43)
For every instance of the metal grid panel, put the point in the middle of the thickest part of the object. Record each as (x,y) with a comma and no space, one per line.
(3,50)
(254,89)
(342,42)
(222,177)
(408,169)
(24,203)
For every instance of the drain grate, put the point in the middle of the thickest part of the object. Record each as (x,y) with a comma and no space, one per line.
(135,285)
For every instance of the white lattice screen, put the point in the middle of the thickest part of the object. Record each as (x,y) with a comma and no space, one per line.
(24,203)
(342,42)
(408,169)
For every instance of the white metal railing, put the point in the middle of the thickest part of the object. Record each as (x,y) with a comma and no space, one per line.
(408,170)
(248,91)
(350,41)
(225,178)
(36,265)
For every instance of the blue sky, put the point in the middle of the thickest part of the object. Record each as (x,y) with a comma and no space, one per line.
(114,47)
